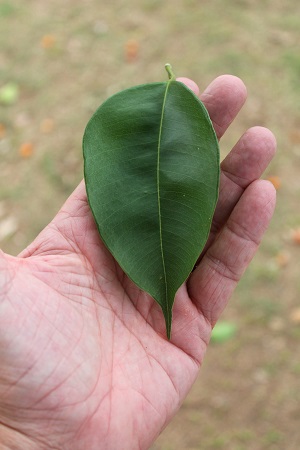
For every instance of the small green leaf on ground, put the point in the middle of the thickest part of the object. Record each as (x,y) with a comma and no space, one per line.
(9,93)
(223,331)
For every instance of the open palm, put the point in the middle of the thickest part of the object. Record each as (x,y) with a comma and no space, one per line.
(85,363)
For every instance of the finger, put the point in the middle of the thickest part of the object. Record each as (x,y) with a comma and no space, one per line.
(213,281)
(190,84)
(223,98)
(245,163)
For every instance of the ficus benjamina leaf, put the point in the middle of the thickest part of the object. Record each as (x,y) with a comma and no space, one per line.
(151,165)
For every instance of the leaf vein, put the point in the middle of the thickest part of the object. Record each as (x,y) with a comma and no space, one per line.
(159,206)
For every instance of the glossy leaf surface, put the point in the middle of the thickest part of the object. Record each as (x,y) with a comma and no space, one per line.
(151,163)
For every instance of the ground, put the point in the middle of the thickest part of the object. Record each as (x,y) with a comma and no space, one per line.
(59,61)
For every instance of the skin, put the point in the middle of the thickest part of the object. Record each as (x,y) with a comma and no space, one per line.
(85,363)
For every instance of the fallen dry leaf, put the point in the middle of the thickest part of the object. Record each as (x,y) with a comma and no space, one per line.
(282,259)
(276,181)
(131,50)
(26,150)
(296,236)
(48,41)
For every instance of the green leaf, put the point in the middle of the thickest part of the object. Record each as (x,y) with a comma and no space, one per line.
(151,164)
(9,93)
(223,331)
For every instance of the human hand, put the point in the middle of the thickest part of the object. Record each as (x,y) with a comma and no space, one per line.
(85,363)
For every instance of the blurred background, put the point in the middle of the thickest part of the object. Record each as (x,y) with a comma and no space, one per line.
(59,61)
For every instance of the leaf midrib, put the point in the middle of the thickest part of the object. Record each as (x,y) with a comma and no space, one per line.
(159,203)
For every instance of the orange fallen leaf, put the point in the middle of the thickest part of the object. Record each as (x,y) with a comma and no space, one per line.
(296,236)
(2,131)
(48,41)
(131,50)
(276,181)
(46,126)
(26,150)
(282,259)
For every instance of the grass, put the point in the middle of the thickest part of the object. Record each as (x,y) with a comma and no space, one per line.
(67,58)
